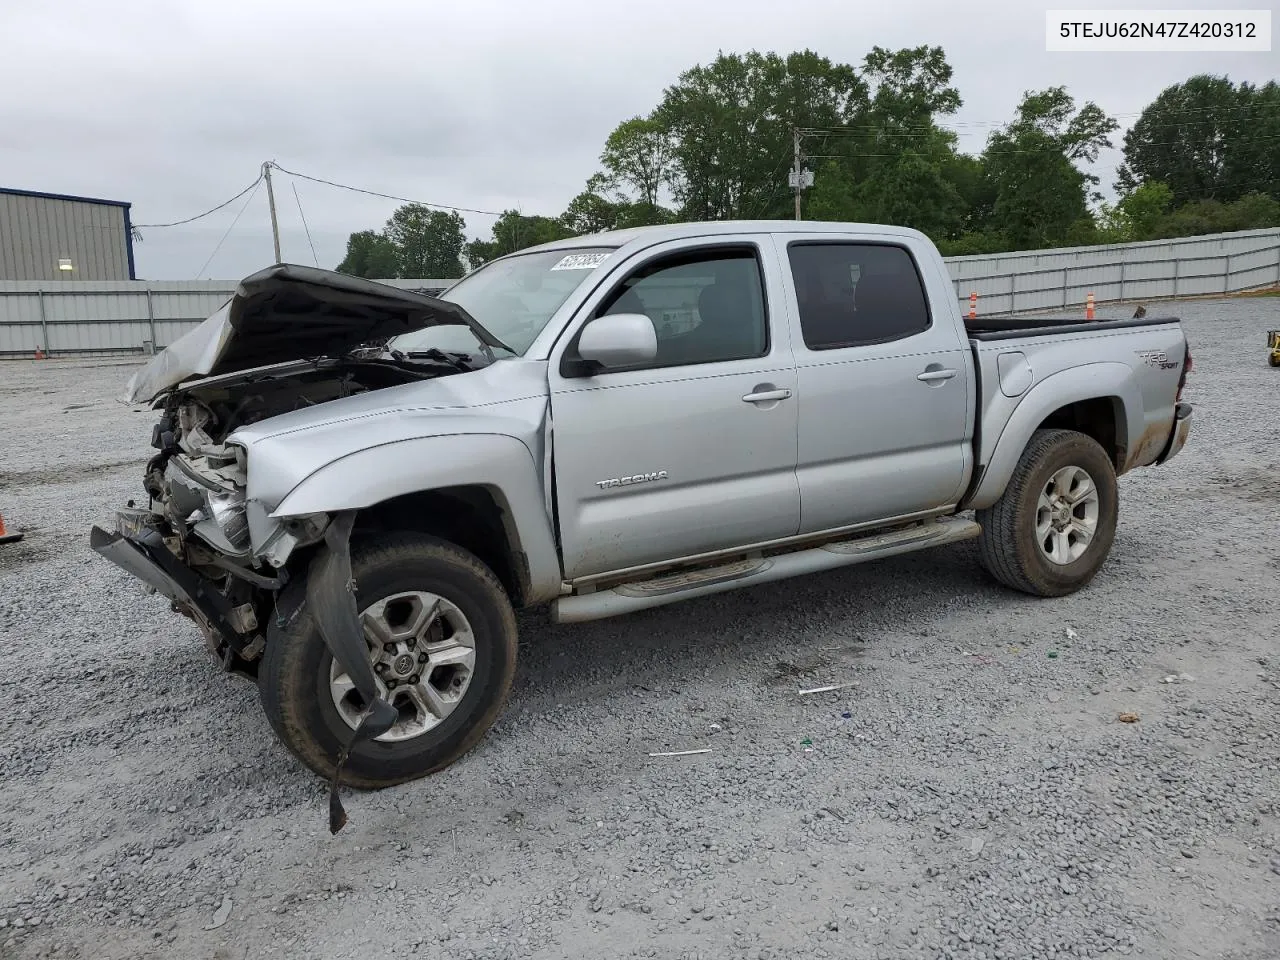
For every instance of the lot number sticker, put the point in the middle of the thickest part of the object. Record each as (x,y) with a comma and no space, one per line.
(581,261)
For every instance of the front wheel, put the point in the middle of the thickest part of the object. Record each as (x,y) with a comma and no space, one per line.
(1053,527)
(441,636)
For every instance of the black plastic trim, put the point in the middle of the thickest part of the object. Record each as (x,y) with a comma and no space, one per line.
(1037,327)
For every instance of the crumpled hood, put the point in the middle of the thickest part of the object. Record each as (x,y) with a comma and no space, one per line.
(291,312)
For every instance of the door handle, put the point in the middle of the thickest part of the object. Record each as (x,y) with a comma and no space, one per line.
(931,376)
(764,396)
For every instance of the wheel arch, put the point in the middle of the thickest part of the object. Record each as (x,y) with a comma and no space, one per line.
(1099,400)
(482,492)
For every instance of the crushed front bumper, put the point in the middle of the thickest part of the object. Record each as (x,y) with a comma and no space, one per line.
(139,549)
(1178,435)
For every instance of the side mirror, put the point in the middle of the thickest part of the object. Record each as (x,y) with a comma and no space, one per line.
(618,340)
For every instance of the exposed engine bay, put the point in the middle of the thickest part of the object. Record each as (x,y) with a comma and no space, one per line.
(196,483)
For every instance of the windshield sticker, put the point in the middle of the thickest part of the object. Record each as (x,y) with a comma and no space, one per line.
(581,261)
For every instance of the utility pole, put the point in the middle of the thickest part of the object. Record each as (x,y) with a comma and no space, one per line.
(271,202)
(796,136)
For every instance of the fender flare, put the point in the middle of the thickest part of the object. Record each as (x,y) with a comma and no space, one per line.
(501,464)
(1092,381)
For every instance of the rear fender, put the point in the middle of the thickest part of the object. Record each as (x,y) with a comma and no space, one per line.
(501,464)
(1089,382)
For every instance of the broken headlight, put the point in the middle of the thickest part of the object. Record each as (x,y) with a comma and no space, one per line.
(227,512)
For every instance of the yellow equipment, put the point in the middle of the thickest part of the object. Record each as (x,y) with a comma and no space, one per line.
(1273,345)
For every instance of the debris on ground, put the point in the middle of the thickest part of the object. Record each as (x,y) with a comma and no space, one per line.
(221,914)
(680,753)
(1128,718)
(1178,678)
(828,688)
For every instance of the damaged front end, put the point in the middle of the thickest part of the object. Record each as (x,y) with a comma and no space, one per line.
(286,342)
(219,559)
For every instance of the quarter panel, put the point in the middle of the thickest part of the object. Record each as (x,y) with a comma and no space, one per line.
(1080,366)
(1008,424)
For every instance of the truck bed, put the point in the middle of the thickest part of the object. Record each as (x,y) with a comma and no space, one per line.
(1011,328)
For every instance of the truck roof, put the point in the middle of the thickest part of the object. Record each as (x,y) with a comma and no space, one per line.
(681,231)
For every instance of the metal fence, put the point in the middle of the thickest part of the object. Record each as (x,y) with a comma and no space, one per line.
(1209,265)
(140,316)
(125,316)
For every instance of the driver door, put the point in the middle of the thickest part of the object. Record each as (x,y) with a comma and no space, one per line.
(696,452)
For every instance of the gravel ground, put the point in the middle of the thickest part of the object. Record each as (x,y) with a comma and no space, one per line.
(973,796)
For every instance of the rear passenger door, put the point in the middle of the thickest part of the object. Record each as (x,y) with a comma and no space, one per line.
(695,451)
(885,391)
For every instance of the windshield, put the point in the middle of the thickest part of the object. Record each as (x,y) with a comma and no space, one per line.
(512,298)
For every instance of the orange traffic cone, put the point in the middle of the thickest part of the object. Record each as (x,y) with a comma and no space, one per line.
(6,536)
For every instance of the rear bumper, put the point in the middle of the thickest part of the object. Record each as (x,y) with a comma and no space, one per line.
(140,551)
(1178,436)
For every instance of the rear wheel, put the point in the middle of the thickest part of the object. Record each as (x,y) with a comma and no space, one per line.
(1054,525)
(441,636)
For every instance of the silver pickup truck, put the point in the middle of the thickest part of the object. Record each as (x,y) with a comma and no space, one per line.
(599,426)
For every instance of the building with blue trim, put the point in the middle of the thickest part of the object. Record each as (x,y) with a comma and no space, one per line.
(54,237)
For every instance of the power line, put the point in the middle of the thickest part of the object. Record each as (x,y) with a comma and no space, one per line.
(385,196)
(199,216)
(230,228)
(304,224)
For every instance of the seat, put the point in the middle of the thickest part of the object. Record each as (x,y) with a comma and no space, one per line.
(728,327)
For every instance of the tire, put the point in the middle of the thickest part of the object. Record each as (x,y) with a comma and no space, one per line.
(1009,547)
(294,681)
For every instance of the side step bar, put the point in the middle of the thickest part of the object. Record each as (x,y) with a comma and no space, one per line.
(687,584)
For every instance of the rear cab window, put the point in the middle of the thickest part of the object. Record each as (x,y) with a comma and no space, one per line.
(853,294)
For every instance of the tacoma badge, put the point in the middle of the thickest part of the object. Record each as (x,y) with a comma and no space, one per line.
(627,481)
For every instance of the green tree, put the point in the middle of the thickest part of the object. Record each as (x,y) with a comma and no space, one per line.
(893,162)
(833,195)
(909,88)
(1253,162)
(977,192)
(1138,213)
(912,191)
(1207,139)
(589,212)
(730,127)
(1041,196)
(513,231)
(1253,211)
(637,155)
(643,214)
(428,243)
(371,255)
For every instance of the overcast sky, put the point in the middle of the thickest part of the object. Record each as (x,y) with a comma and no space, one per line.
(172,105)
